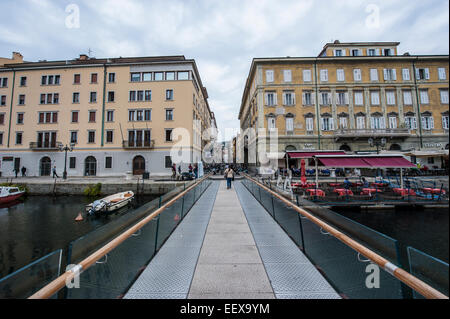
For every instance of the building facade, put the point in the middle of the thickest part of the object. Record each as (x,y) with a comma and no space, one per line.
(119,115)
(348,94)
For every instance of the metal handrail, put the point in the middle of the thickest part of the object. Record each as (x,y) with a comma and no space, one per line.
(416,284)
(60,282)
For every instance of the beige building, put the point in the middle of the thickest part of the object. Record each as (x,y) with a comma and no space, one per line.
(119,114)
(349,93)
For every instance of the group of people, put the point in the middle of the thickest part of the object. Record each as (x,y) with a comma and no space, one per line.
(24,171)
(192,170)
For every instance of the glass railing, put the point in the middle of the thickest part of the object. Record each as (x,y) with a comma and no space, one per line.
(430,270)
(347,271)
(29,279)
(114,274)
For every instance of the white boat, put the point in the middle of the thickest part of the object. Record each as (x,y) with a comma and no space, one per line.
(110,203)
(9,194)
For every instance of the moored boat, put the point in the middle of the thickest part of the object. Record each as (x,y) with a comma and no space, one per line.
(9,194)
(110,203)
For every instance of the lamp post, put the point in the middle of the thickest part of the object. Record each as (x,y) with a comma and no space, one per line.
(66,149)
(377,142)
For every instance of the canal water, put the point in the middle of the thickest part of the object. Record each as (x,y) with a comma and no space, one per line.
(40,225)
(424,229)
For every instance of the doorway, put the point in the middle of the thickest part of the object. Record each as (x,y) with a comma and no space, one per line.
(138,165)
(45,166)
(90,166)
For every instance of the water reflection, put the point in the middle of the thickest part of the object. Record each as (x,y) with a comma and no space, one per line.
(41,224)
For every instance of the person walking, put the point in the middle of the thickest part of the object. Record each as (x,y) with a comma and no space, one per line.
(196,171)
(54,172)
(16,170)
(24,171)
(229,175)
(174,171)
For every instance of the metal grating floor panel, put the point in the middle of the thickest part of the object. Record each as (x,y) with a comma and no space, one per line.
(169,274)
(291,274)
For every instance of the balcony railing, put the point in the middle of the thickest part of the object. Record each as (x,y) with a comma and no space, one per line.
(387,132)
(139,144)
(45,146)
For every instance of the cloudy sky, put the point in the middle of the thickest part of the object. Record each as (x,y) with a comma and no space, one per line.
(221,35)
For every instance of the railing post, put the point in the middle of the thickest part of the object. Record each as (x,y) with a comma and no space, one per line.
(157,225)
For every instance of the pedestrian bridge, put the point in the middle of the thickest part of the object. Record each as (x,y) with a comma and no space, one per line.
(247,242)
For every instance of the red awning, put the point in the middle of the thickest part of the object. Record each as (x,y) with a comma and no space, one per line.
(295,155)
(352,161)
(397,162)
(346,162)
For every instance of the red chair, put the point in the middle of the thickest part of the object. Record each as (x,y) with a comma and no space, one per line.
(439,191)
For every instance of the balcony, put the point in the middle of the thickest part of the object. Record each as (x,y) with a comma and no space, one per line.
(365,133)
(45,146)
(139,144)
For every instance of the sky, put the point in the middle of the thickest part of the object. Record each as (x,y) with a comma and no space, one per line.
(223,36)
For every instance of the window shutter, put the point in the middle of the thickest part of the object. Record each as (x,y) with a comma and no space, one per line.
(304,98)
(383,122)
(373,74)
(322,124)
(424,122)
(284,99)
(378,52)
(418,74)
(385,72)
(346,98)
(320,98)
(414,123)
(313,98)
(406,75)
(293,98)
(394,74)
(331,122)
(329,98)
(372,122)
(442,75)
(275,98)
(431,122)
(427,74)
(266,98)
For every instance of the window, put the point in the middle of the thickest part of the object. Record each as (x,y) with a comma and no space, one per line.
(289,124)
(148,95)
(94,78)
(159,76)
(77,79)
(74,137)
(287,74)
(22,99)
(140,96)
(372,52)
(326,124)
(44,80)
(356,52)
(92,116)
(342,98)
(307,76)
(169,135)
(72,162)
(340,75)
(427,122)
(132,96)
(55,98)
(147,76)
(50,79)
(325,98)
(147,115)
(360,122)
(411,122)
(108,162)
(57,79)
(183,76)
(392,122)
(445,123)
(271,122)
(135,77)
(309,124)
(91,137)
(444,96)
(269,76)
(357,75)
(169,95)
(406,75)
(19,138)
(109,136)
(3,82)
(170,76)
(169,115)
(76,97)
(441,74)
(3,100)
(20,118)
(424,96)
(324,75)
(111,96)
(373,75)
(308,98)
(375,97)
(387,52)
(139,138)
(168,161)
(74,116)
(271,99)
(337,52)
(423,74)
(2,118)
(359,98)
(23,81)
(48,117)
(1,138)
(110,116)
(343,123)
(390,75)
(93,97)
(111,77)
(288,98)
(407,97)
(390,97)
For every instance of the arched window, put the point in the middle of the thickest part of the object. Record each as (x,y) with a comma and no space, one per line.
(395,147)
(45,166)
(90,166)
(345,148)
(290,148)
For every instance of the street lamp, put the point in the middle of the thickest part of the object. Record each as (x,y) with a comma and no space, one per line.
(66,149)
(377,142)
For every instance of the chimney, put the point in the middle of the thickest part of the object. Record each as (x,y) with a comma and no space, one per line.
(83,57)
(17,57)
